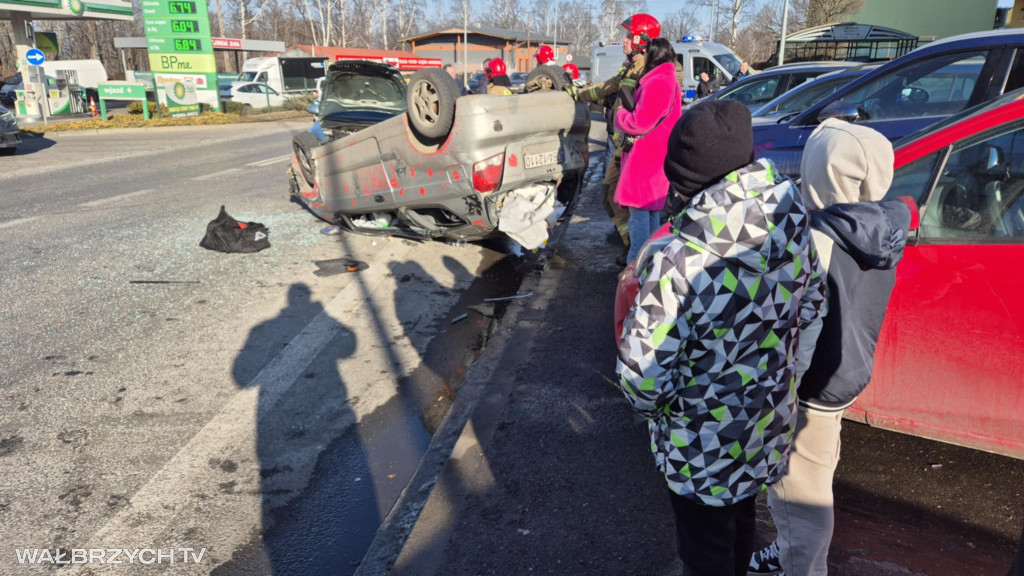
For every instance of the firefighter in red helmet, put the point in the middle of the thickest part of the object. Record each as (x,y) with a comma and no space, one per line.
(498,82)
(545,54)
(638,31)
(572,70)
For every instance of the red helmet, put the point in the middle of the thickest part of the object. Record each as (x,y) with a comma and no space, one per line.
(495,67)
(572,69)
(544,55)
(643,28)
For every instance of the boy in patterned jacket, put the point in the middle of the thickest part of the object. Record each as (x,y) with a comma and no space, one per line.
(707,352)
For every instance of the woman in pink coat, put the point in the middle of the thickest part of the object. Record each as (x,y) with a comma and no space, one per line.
(643,186)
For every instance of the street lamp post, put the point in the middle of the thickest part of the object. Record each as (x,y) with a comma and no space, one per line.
(782,41)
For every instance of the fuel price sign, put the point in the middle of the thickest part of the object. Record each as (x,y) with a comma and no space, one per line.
(179,41)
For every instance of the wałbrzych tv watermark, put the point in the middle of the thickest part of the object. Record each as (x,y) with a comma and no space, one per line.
(109,555)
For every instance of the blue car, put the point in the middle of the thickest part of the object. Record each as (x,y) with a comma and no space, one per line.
(756,90)
(907,94)
(808,94)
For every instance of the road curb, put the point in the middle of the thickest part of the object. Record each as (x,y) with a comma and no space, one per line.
(481,398)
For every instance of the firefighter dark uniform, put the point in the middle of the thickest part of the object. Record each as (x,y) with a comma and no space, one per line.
(606,93)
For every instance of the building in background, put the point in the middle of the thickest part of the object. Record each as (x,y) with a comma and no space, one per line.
(516,47)
(932,19)
(1015,19)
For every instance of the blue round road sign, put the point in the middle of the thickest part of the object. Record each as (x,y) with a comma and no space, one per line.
(35,57)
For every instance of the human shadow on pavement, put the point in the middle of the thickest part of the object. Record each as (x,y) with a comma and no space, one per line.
(306,508)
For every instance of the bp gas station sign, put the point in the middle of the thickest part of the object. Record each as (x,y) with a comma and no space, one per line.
(181,53)
(122,91)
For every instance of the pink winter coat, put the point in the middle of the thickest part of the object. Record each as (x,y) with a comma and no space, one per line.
(643,183)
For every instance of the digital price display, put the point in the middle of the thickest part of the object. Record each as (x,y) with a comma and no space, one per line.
(186,26)
(182,7)
(187,45)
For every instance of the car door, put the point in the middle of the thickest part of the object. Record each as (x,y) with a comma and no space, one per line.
(949,363)
(267,96)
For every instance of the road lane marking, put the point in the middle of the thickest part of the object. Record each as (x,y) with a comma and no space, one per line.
(103,201)
(216,174)
(13,223)
(269,161)
(157,507)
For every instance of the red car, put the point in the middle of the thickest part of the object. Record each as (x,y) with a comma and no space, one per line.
(950,360)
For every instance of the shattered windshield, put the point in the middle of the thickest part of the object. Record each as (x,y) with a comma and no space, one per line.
(344,92)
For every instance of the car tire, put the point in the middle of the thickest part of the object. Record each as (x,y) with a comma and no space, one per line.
(431,102)
(304,143)
(557,76)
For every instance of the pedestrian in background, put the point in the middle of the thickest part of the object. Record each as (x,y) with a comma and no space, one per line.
(707,86)
(743,73)
(643,186)
(846,171)
(707,352)
(450,70)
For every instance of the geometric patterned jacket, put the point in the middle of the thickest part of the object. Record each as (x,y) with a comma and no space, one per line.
(707,352)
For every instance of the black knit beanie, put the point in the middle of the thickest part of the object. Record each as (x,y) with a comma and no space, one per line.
(711,140)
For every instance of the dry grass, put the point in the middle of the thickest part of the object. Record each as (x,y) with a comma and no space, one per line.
(137,121)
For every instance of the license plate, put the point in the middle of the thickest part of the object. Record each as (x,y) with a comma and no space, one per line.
(542,159)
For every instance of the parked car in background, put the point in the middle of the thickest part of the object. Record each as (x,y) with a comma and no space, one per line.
(907,94)
(10,136)
(255,96)
(518,80)
(7,95)
(756,90)
(948,364)
(808,94)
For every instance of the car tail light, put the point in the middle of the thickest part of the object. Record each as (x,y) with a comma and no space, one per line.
(584,150)
(487,173)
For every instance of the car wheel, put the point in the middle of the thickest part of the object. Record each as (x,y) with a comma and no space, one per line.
(246,110)
(303,144)
(557,76)
(431,102)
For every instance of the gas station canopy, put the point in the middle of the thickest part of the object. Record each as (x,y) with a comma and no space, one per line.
(65,10)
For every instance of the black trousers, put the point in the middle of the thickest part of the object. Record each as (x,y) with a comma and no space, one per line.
(714,541)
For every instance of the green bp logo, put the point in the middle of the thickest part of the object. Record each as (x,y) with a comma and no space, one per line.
(76,7)
(179,91)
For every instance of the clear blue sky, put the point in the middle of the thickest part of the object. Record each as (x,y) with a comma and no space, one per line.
(661,8)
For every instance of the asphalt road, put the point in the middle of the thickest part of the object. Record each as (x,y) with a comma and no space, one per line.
(245,407)
(157,395)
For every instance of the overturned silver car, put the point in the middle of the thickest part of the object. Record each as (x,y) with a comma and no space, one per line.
(422,161)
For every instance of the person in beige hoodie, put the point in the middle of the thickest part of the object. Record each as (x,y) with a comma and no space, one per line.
(859,239)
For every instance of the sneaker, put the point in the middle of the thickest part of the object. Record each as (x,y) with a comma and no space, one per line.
(766,561)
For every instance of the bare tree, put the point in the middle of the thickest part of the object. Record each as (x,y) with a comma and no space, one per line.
(504,14)
(406,16)
(679,24)
(820,12)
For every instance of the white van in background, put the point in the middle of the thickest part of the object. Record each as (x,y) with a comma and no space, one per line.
(695,55)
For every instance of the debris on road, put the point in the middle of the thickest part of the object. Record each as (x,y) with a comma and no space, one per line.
(486,309)
(338,266)
(331,230)
(506,298)
(459,318)
(225,234)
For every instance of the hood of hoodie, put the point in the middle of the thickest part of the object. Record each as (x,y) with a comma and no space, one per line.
(748,217)
(874,234)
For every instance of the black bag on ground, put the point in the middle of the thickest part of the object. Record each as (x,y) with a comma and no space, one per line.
(225,234)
